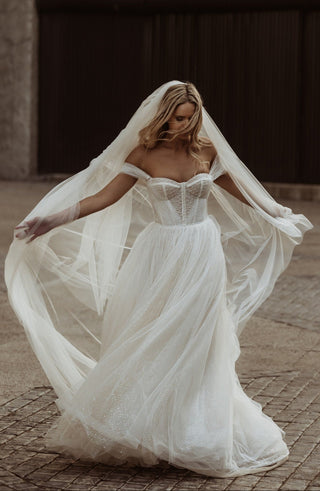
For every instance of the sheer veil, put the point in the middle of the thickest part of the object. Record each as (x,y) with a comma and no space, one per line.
(60,283)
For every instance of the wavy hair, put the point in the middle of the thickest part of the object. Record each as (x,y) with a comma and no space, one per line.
(158,129)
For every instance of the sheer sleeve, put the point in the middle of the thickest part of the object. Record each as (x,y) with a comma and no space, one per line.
(216,169)
(134,171)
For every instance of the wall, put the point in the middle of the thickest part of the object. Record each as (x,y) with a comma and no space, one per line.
(18,88)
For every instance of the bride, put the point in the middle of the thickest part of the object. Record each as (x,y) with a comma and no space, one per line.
(146,267)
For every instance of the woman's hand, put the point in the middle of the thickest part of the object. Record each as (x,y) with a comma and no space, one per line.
(33,228)
(37,226)
(108,195)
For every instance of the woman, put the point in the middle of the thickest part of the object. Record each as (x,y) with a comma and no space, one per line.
(166,315)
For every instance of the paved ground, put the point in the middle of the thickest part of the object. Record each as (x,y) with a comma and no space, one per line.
(279,367)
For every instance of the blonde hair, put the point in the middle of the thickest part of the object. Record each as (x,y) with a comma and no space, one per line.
(158,129)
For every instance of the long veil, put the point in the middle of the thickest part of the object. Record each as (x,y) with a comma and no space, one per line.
(59,284)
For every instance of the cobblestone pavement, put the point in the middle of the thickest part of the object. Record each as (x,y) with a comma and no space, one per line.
(280,369)
(295,301)
(291,399)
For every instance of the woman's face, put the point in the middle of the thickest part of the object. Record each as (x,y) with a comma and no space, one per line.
(181,117)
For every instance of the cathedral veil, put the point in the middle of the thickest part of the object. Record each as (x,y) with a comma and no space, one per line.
(59,284)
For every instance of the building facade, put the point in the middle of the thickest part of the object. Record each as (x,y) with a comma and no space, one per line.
(74,71)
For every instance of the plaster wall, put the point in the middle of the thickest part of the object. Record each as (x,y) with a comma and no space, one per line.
(18,88)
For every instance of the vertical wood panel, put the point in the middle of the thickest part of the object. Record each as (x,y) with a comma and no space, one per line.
(264,99)
(88,71)
(258,73)
(310,117)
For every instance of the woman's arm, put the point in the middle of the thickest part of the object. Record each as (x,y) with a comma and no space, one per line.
(224,180)
(108,195)
(228,184)
(116,188)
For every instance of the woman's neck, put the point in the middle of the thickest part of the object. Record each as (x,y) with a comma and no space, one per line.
(176,145)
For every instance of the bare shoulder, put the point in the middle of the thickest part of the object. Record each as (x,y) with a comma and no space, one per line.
(137,156)
(209,148)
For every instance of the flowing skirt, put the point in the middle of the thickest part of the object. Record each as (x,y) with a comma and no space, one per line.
(165,386)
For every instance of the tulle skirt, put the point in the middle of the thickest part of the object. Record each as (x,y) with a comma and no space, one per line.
(165,386)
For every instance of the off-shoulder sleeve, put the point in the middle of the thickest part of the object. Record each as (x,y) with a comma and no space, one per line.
(216,169)
(134,171)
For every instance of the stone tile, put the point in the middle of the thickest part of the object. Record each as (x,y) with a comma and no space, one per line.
(244,483)
(269,483)
(295,485)
(33,466)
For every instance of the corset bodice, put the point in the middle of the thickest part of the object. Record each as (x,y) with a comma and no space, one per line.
(177,203)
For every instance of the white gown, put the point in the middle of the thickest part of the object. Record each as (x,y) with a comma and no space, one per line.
(165,386)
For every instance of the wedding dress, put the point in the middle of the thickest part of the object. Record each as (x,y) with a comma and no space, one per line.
(162,282)
(165,386)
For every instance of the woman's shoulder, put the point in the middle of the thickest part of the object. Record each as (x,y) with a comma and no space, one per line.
(208,148)
(206,143)
(136,156)
(143,157)
(134,163)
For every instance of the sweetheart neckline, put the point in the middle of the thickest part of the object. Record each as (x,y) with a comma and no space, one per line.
(177,182)
(150,178)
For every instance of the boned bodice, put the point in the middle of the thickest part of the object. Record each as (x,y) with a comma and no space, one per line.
(177,203)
